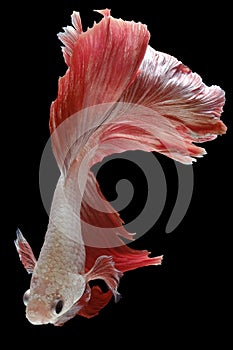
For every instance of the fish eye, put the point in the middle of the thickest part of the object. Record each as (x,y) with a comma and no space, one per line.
(58,306)
(26,297)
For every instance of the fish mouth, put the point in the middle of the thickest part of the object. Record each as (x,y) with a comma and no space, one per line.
(37,313)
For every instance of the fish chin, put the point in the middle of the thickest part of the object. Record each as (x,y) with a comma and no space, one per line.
(37,321)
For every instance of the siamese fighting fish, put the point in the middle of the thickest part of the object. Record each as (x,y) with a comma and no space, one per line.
(118,94)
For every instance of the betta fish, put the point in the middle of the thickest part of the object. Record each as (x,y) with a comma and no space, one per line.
(118,94)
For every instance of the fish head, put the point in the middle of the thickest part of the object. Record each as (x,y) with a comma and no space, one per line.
(46,301)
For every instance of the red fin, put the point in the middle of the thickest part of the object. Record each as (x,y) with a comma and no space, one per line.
(101,231)
(25,252)
(93,76)
(97,215)
(125,258)
(104,268)
(176,108)
(98,301)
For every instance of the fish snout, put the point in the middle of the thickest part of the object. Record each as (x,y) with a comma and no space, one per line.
(37,312)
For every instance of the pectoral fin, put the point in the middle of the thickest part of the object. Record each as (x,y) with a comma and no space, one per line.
(104,269)
(25,252)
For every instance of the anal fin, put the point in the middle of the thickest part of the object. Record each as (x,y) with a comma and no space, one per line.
(98,301)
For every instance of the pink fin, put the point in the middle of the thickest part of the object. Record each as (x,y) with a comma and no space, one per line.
(25,252)
(105,12)
(175,109)
(93,77)
(104,268)
(166,109)
(180,101)
(70,36)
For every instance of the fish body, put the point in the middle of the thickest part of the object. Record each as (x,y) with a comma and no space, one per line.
(59,279)
(118,94)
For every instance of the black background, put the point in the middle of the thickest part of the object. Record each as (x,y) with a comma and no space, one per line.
(184,300)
